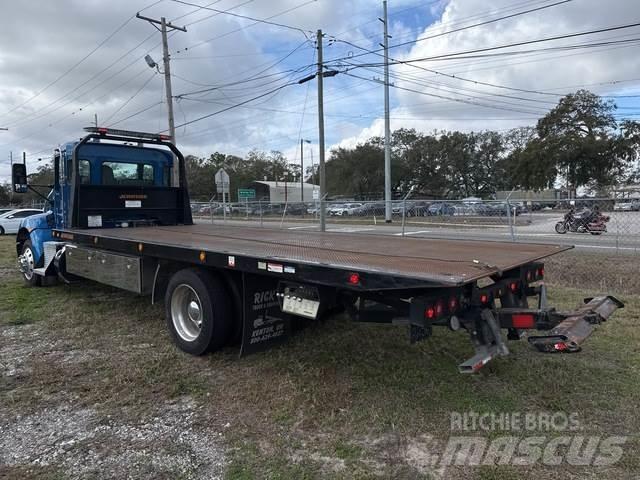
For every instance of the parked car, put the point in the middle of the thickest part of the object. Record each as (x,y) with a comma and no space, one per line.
(296,209)
(336,209)
(484,210)
(441,209)
(413,208)
(5,210)
(352,209)
(632,205)
(371,209)
(10,221)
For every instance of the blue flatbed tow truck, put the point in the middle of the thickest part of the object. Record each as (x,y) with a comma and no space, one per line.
(116,216)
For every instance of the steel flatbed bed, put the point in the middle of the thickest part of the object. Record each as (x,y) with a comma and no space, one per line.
(408,262)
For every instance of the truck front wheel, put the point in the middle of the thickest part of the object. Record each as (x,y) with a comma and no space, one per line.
(198,311)
(28,265)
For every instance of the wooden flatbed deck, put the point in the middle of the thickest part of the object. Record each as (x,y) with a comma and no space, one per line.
(431,260)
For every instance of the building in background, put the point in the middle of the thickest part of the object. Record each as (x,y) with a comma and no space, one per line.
(281,192)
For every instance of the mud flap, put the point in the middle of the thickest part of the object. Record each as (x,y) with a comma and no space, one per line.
(264,324)
(570,334)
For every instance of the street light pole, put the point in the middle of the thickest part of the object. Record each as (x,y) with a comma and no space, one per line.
(302,142)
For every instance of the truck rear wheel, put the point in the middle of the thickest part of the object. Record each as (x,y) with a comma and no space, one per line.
(198,311)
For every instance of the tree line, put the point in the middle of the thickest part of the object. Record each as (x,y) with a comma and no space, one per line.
(579,144)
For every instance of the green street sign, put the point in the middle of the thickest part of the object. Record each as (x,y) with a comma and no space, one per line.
(246,193)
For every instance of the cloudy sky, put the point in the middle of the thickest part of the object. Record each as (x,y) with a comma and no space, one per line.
(63,62)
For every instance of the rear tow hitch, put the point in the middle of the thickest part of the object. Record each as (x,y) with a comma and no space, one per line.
(570,333)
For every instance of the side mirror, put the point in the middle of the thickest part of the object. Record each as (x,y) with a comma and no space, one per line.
(19,178)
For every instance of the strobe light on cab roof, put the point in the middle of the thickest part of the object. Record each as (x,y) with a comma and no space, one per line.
(114,132)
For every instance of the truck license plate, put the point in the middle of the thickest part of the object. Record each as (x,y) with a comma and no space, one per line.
(300,306)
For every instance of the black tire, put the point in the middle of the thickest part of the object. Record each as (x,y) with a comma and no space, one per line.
(1,231)
(561,228)
(31,280)
(212,326)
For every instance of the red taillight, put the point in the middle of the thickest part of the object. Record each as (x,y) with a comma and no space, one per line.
(523,321)
(453,303)
(102,130)
(439,307)
(541,272)
(513,286)
(484,298)
(165,138)
(354,279)
(430,312)
(560,346)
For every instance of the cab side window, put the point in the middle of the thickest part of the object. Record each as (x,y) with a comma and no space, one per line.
(84,170)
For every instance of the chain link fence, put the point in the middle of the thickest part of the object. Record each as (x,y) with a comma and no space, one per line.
(604,231)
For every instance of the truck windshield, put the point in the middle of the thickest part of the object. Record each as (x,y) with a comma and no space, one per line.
(134,174)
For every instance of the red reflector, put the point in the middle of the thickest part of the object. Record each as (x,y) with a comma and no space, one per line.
(453,303)
(354,279)
(523,320)
(484,298)
(513,286)
(430,312)
(439,307)
(560,346)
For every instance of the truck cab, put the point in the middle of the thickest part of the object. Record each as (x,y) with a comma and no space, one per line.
(110,178)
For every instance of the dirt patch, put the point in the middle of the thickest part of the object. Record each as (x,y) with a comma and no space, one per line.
(82,442)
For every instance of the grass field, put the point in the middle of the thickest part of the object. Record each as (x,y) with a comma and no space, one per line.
(91,387)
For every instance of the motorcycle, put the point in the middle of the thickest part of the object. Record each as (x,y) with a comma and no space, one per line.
(583,222)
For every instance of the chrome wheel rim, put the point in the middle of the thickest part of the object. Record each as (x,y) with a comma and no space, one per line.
(29,264)
(186,312)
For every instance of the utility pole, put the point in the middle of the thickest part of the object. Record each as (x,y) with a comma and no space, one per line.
(95,119)
(387,122)
(164,25)
(323,180)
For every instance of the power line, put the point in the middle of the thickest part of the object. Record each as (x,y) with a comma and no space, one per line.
(288,10)
(457,55)
(468,102)
(137,92)
(139,112)
(245,17)
(277,89)
(487,22)
(253,77)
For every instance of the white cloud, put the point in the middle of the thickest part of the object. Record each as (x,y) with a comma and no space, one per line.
(40,40)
